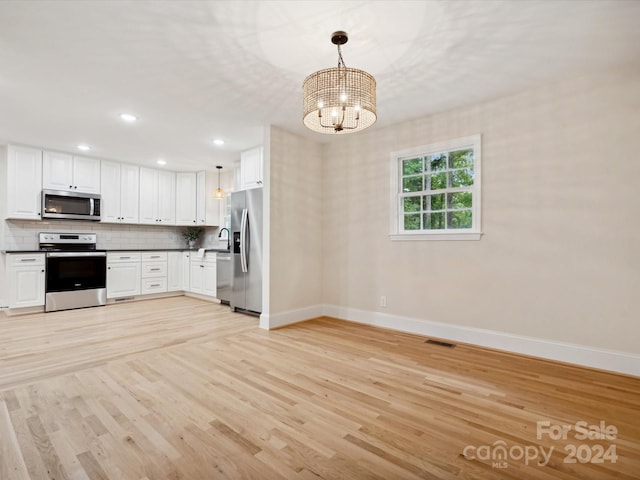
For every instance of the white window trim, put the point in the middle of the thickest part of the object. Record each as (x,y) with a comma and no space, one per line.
(474,233)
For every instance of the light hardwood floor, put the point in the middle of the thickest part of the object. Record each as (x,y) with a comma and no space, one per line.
(183,389)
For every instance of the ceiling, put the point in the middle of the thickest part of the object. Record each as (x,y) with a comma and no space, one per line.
(195,71)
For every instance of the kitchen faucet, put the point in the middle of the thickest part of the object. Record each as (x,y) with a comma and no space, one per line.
(228,237)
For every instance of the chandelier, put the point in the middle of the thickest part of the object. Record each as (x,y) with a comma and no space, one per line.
(339,99)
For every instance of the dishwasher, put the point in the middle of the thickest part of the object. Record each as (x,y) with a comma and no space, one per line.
(223,277)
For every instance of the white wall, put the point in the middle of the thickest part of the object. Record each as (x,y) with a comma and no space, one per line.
(296,205)
(560,255)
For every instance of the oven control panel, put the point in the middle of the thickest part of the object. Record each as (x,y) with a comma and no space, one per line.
(68,238)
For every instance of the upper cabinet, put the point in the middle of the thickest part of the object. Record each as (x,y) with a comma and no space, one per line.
(157,197)
(62,171)
(195,204)
(186,199)
(120,192)
(251,169)
(208,208)
(23,170)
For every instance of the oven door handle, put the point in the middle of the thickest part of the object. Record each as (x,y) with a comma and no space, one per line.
(75,254)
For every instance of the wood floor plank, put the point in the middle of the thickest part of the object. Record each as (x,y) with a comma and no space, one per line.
(179,388)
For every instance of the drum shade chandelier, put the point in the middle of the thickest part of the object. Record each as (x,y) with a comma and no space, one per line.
(339,99)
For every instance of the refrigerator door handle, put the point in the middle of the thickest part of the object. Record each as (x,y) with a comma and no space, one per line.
(243,239)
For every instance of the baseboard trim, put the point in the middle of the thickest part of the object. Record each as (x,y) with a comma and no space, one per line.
(269,322)
(611,360)
(602,359)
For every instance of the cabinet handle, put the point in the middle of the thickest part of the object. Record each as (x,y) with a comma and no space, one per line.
(155,285)
(124,258)
(154,269)
(27,259)
(108,268)
(42,271)
(70,186)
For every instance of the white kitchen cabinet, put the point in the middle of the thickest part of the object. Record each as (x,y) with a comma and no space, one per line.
(251,169)
(123,274)
(186,195)
(63,171)
(26,279)
(22,172)
(154,272)
(120,192)
(175,271)
(203,274)
(157,197)
(208,208)
(186,271)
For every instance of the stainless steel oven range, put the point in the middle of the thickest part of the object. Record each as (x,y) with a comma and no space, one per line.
(76,273)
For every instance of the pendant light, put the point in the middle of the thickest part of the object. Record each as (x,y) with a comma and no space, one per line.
(339,99)
(219,193)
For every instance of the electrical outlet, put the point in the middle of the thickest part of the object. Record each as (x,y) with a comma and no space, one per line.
(383,300)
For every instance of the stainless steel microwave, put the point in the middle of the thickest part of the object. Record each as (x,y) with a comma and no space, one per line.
(70,205)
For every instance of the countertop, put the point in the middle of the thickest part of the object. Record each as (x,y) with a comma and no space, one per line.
(132,250)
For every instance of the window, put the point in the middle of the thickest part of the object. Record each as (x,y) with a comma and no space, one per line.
(435,191)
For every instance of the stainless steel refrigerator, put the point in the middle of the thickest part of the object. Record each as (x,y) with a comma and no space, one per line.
(246,249)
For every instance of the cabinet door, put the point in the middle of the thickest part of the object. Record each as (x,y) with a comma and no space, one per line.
(86,175)
(186,199)
(123,279)
(129,193)
(209,279)
(57,171)
(186,271)
(110,188)
(166,198)
(251,168)
(24,183)
(174,271)
(197,277)
(26,286)
(148,195)
(208,208)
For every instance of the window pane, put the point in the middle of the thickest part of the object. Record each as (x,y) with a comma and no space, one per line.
(412,166)
(459,200)
(434,202)
(438,181)
(459,219)
(461,178)
(434,221)
(412,184)
(412,204)
(461,159)
(437,162)
(412,221)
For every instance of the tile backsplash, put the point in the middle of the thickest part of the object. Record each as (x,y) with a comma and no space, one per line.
(23,235)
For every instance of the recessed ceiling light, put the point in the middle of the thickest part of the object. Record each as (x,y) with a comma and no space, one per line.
(84,148)
(218,142)
(127,117)
(161,162)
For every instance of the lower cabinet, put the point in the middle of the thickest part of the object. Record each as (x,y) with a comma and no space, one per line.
(154,272)
(203,274)
(123,274)
(26,279)
(176,272)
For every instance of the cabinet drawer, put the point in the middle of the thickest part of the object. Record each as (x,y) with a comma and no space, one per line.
(154,256)
(123,257)
(21,259)
(154,269)
(154,285)
(207,258)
